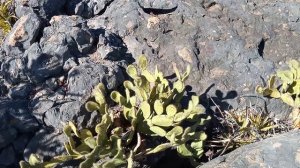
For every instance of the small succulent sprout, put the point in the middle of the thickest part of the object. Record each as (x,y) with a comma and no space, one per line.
(162,121)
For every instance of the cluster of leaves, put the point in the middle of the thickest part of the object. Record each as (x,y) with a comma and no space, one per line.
(151,110)
(288,89)
(7,16)
(241,127)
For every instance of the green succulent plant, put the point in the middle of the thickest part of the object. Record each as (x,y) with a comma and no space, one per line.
(288,89)
(149,108)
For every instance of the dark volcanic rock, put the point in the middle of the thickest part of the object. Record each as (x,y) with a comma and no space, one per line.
(64,39)
(42,65)
(82,79)
(231,46)
(70,105)
(23,34)
(18,116)
(20,143)
(87,8)
(278,151)
(67,32)
(20,91)
(14,70)
(111,47)
(7,156)
(159,4)
(45,143)
(44,8)
(7,136)
(60,49)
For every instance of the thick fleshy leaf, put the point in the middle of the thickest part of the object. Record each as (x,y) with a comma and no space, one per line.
(148,76)
(142,62)
(34,160)
(85,133)
(158,107)
(184,151)
(275,93)
(171,110)
(91,106)
(146,109)
(160,148)
(180,116)
(271,81)
(114,163)
(259,89)
(157,130)
(297,101)
(74,129)
(286,76)
(132,71)
(91,142)
(100,88)
(178,130)
(179,86)
(129,85)
(117,97)
(162,120)
(286,98)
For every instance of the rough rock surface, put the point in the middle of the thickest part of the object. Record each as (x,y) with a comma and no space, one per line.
(60,49)
(276,152)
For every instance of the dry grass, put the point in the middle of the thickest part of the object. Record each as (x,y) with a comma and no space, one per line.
(7,16)
(236,128)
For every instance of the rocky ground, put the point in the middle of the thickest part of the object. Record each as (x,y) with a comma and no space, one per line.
(59,50)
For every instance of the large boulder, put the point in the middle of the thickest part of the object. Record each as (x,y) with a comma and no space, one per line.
(232,47)
(278,151)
